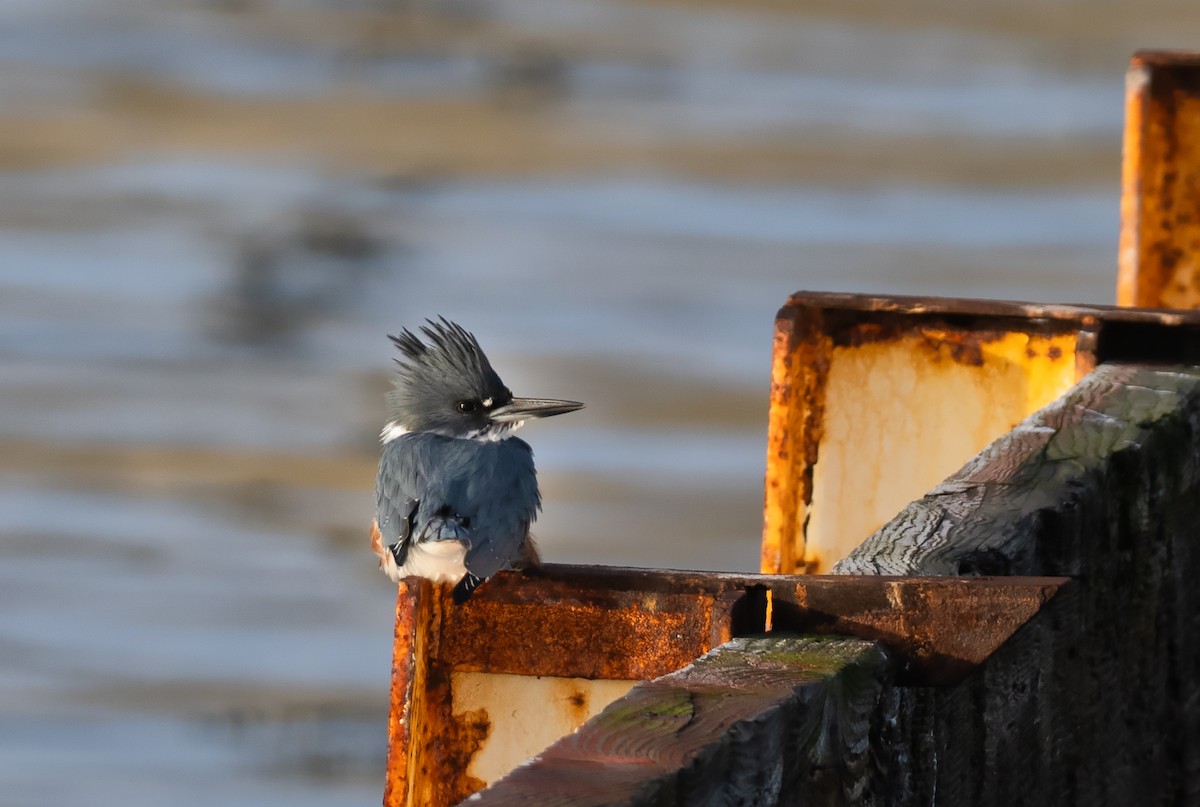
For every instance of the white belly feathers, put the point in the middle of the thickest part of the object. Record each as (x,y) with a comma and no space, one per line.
(440,561)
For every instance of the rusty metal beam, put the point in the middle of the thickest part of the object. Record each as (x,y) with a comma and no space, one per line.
(597,622)
(875,400)
(576,624)
(582,623)
(1160,182)
(406,781)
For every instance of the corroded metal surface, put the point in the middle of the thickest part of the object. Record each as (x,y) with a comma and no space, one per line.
(406,716)
(638,624)
(961,309)
(881,354)
(569,622)
(799,370)
(918,385)
(1160,195)
(581,622)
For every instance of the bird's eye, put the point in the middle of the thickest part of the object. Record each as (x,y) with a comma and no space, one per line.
(467,407)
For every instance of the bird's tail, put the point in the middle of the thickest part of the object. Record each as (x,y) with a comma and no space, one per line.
(529,557)
(462,592)
(387,560)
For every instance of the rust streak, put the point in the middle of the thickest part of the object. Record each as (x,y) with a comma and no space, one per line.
(464,735)
(406,720)
(795,423)
(1160,211)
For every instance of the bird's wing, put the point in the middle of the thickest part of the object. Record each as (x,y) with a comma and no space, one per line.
(434,488)
(397,484)
(501,498)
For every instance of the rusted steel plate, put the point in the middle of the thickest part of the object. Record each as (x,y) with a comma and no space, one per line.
(572,623)
(938,629)
(875,400)
(799,372)
(586,622)
(1160,182)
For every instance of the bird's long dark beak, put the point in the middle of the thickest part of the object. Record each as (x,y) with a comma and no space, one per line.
(526,408)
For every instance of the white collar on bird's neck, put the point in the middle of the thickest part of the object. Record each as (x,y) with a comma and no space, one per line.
(492,433)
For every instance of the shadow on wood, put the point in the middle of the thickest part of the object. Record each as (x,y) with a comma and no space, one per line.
(1099,702)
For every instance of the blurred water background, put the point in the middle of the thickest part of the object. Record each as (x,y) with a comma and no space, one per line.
(213,212)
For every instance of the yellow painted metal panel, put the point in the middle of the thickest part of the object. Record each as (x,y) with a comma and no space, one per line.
(900,416)
(520,715)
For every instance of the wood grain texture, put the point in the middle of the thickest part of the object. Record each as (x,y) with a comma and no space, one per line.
(763,720)
(1097,702)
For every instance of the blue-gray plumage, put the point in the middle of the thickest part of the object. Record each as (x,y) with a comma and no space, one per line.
(456,492)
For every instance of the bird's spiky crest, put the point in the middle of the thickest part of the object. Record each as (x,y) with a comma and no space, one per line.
(433,372)
(450,347)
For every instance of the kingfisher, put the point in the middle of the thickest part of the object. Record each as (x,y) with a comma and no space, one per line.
(456,492)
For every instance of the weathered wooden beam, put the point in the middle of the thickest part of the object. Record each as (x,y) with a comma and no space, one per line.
(757,721)
(1098,703)
(875,400)
(1160,179)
